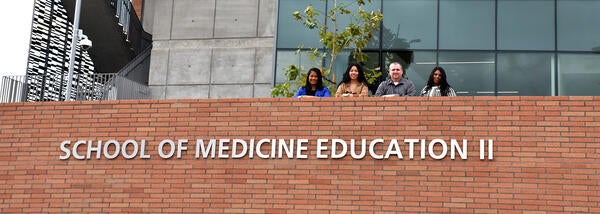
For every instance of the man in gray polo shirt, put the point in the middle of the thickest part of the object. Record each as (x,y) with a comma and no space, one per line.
(396,85)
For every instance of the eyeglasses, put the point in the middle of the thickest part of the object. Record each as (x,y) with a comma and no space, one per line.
(395,69)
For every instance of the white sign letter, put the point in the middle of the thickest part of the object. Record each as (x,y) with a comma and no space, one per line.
(170,153)
(63,148)
(321,148)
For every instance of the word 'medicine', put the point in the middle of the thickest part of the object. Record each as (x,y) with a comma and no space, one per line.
(277,149)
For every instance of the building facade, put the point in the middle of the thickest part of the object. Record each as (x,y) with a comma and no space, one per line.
(543,159)
(48,63)
(488,47)
(116,67)
(211,49)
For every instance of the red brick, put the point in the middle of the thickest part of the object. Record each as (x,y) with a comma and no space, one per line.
(543,147)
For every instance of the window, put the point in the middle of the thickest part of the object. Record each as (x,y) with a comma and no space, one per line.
(419,69)
(286,58)
(291,33)
(344,20)
(578,25)
(526,25)
(487,47)
(525,74)
(467,24)
(410,24)
(578,74)
(469,72)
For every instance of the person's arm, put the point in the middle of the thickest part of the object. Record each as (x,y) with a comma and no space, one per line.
(423,92)
(326,92)
(364,90)
(410,91)
(300,92)
(451,92)
(380,91)
(339,91)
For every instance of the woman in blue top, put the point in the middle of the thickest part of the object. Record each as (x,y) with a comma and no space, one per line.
(314,85)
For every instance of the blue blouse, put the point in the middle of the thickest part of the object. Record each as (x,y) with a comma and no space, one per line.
(319,93)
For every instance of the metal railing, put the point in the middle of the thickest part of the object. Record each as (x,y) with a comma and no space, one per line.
(13,89)
(86,87)
(131,25)
(123,13)
(111,87)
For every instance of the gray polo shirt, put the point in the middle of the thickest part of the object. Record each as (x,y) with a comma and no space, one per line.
(404,88)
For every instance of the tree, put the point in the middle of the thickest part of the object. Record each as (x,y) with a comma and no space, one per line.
(334,39)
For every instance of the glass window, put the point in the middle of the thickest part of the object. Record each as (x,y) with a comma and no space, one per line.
(578,74)
(578,25)
(410,24)
(286,58)
(526,25)
(469,73)
(467,24)
(419,69)
(525,74)
(291,33)
(344,20)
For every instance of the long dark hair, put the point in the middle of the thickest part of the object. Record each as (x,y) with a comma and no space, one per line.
(307,85)
(361,74)
(443,83)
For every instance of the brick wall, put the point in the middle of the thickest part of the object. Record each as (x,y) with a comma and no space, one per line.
(546,156)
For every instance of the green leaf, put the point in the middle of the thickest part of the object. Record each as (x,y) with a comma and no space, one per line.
(297,15)
(309,11)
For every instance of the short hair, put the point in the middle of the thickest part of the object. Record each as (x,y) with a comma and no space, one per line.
(395,63)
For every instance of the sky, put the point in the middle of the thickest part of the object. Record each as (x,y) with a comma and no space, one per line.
(15,19)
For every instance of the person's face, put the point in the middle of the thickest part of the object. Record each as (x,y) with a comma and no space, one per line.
(353,73)
(313,78)
(437,77)
(396,72)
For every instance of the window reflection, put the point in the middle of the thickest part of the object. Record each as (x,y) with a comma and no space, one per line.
(578,74)
(288,57)
(578,25)
(530,47)
(469,73)
(344,20)
(410,24)
(525,74)
(526,25)
(291,33)
(419,70)
(467,24)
